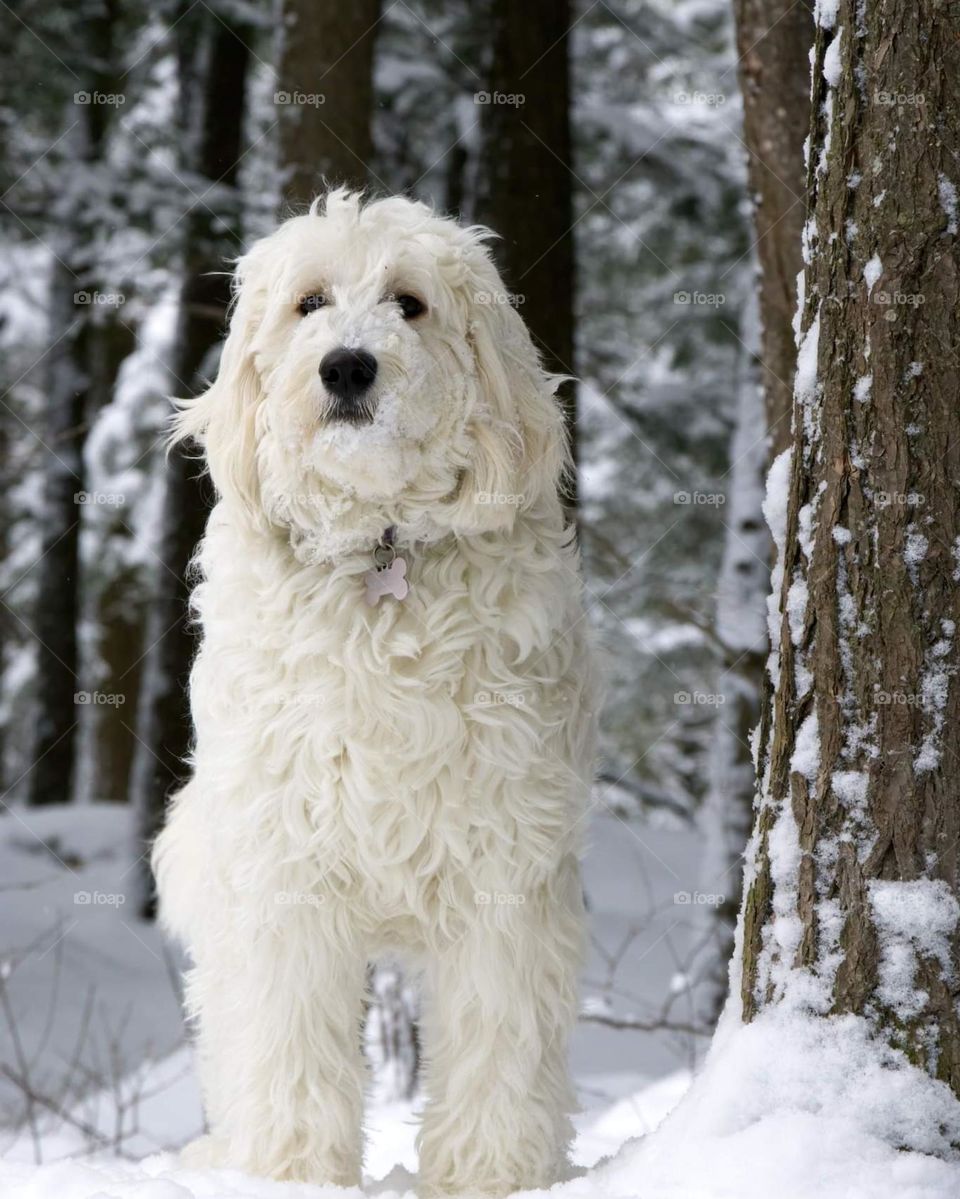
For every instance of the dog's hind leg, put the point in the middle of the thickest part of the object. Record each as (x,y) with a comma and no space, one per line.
(279,1039)
(500,1004)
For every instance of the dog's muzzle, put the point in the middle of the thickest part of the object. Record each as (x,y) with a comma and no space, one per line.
(348,376)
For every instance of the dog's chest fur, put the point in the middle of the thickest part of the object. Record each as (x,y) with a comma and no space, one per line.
(420,748)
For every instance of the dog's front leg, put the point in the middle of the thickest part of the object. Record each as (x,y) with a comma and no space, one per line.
(500,1007)
(279,1039)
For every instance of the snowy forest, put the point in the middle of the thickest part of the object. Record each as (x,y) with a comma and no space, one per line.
(734,225)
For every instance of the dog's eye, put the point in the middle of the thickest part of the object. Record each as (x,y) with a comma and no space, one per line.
(311,303)
(410,306)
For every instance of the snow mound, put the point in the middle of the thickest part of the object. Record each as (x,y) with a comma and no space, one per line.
(793,1106)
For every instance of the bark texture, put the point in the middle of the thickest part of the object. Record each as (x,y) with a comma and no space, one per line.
(325,94)
(525,175)
(861,782)
(773,43)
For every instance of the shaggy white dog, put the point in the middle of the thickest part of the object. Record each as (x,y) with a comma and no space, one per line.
(393,707)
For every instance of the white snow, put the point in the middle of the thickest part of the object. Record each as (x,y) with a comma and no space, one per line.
(827,111)
(862,388)
(831,62)
(914,552)
(805,759)
(850,787)
(948,202)
(775,505)
(872,272)
(806,377)
(807,523)
(777,497)
(825,13)
(792,1106)
(914,919)
(797,596)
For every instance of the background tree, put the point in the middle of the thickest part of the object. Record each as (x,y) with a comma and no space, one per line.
(324,97)
(213,60)
(81,366)
(852,897)
(526,172)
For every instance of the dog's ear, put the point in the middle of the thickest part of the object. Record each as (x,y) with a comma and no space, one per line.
(521,449)
(223,419)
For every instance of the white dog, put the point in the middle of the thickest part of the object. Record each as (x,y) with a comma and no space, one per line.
(393,707)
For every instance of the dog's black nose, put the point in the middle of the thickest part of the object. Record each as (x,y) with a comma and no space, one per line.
(347,374)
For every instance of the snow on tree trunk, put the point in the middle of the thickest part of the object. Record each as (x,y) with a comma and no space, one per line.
(741,591)
(852,895)
(324,95)
(773,41)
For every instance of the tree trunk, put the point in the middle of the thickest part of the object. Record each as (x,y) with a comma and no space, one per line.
(773,41)
(324,94)
(742,587)
(77,383)
(852,897)
(526,174)
(164,728)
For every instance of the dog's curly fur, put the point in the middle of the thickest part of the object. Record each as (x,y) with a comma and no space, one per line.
(410,776)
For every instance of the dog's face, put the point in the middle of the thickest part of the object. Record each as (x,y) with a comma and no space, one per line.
(376,373)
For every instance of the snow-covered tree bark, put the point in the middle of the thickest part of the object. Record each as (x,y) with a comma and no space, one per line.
(324,96)
(214,57)
(773,41)
(852,886)
(525,179)
(741,640)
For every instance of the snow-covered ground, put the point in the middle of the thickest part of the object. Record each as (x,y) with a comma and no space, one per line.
(787,1106)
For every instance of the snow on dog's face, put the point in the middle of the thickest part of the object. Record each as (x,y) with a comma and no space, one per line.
(376,373)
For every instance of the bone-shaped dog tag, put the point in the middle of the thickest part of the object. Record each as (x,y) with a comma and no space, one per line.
(388,580)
